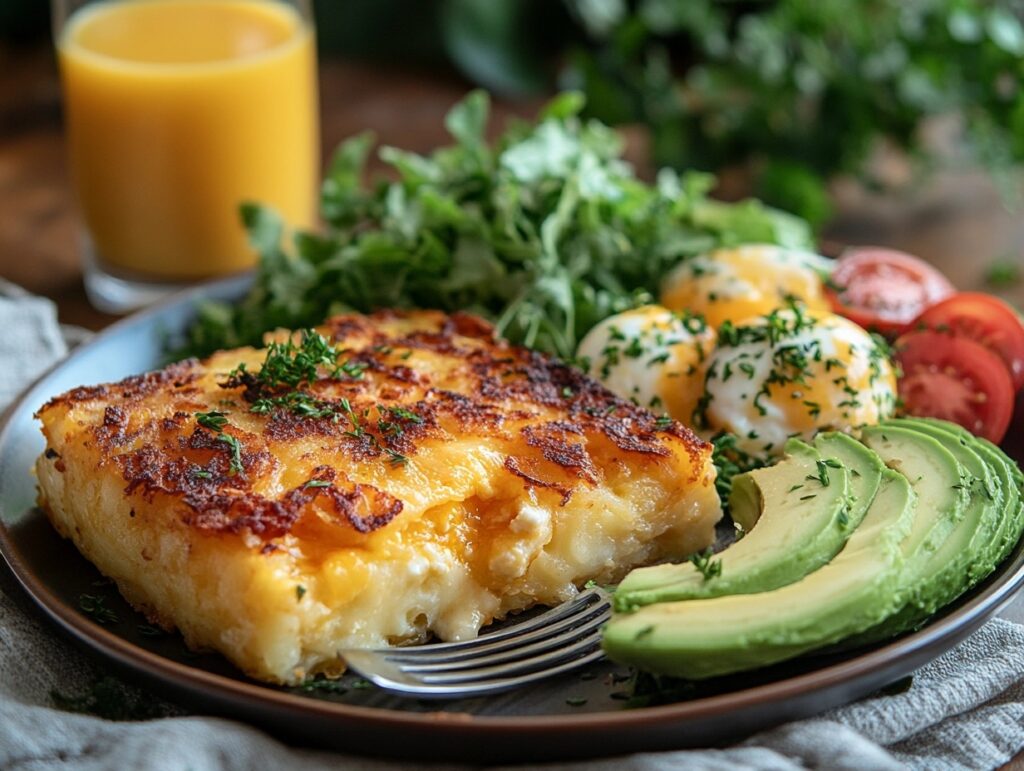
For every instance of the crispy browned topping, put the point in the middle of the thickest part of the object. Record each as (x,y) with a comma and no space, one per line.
(447,376)
(178,376)
(363,507)
(515,465)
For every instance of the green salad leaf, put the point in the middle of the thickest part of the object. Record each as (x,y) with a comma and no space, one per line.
(545,231)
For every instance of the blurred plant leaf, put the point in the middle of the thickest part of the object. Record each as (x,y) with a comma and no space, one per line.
(812,85)
(490,42)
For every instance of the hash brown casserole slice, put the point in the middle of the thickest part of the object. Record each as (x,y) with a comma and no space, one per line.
(429,479)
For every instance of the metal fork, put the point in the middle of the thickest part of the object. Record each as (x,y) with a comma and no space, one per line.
(562,639)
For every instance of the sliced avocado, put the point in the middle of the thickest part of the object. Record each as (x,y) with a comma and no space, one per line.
(936,477)
(992,485)
(803,518)
(966,558)
(1013,523)
(947,572)
(865,469)
(704,638)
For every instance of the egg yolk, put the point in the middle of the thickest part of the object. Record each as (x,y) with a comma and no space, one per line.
(738,284)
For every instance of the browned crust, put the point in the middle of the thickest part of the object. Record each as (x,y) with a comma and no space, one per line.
(470,384)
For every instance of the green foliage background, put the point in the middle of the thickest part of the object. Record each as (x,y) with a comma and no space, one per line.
(795,90)
(798,89)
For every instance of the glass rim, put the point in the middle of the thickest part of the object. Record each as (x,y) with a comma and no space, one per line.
(64,11)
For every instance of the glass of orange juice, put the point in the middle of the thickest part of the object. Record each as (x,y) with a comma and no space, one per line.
(177,111)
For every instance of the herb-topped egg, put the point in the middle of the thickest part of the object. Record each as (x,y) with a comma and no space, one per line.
(739,283)
(794,372)
(652,356)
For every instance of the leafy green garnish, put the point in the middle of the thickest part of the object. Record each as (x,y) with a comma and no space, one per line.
(730,460)
(213,420)
(404,414)
(235,448)
(287,364)
(216,421)
(705,565)
(546,232)
(321,684)
(95,607)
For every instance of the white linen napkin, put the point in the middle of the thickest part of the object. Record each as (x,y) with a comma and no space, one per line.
(965,710)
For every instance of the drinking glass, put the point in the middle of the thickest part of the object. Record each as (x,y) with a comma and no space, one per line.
(177,111)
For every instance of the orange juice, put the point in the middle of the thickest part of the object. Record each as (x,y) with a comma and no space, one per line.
(178,111)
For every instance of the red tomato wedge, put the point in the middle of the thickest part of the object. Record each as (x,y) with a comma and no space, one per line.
(984,319)
(885,290)
(955,379)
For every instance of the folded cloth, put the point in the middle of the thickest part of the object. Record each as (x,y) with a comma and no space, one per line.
(59,708)
(32,339)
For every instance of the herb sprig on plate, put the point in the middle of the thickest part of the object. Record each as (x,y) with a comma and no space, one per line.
(545,231)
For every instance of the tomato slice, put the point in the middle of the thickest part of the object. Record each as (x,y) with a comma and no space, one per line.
(955,379)
(984,319)
(885,290)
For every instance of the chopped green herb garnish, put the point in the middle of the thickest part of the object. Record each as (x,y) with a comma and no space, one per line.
(395,458)
(215,421)
(95,607)
(704,564)
(300,592)
(729,460)
(822,477)
(642,633)
(321,684)
(635,349)
(235,448)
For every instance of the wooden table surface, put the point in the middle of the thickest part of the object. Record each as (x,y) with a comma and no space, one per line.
(958,220)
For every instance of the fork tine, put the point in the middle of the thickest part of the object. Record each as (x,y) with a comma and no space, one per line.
(410,656)
(404,686)
(559,640)
(541,662)
(590,597)
(523,648)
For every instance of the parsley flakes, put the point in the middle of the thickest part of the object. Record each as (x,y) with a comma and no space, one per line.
(216,422)
(704,564)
